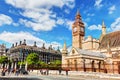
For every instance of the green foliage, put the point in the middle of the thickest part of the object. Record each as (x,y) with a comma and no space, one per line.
(41,64)
(32,59)
(21,63)
(3,59)
(34,62)
(55,64)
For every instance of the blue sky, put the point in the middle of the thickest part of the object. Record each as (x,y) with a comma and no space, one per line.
(50,21)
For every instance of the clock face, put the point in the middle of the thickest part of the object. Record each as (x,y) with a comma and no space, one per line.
(74,29)
(82,29)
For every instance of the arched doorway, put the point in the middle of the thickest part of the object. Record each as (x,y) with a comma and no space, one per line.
(99,66)
(84,67)
(93,67)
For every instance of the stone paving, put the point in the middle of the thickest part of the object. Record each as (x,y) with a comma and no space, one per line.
(53,75)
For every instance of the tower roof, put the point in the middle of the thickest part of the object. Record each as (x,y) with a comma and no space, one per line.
(103,24)
(64,46)
(78,18)
(78,12)
(64,50)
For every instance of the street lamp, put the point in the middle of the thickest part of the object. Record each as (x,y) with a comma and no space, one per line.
(26,64)
(48,68)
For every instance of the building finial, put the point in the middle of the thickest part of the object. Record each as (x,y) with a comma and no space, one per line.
(24,42)
(12,45)
(35,44)
(58,49)
(20,42)
(16,44)
(78,12)
(103,28)
(64,50)
(43,47)
(103,24)
(78,16)
(64,46)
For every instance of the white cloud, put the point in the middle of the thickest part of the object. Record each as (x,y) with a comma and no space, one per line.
(67,11)
(60,21)
(19,36)
(98,3)
(65,22)
(69,3)
(87,19)
(85,23)
(38,26)
(69,24)
(115,26)
(15,24)
(15,37)
(112,9)
(90,14)
(5,20)
(40,12)
(56,44)
(95,27)
(69,48)
(30,4)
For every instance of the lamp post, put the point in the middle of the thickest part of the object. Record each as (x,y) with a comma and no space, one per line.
(20,58)
(48,68)
(26,64)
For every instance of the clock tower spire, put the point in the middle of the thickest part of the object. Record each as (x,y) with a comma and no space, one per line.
(78,31)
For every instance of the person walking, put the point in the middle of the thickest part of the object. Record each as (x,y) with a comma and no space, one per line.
(17,72)
(60,71)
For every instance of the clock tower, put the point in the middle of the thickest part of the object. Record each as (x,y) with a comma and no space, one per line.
(78,31)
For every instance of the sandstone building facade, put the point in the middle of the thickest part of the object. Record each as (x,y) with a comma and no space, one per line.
(3,49)
(19,52)
(96,55)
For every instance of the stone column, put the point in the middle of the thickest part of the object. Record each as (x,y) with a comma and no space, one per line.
(26,65)
(12,65)
(111,66)
(7,66)
(15,67)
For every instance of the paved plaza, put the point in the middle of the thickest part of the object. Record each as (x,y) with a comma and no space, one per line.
(54,75)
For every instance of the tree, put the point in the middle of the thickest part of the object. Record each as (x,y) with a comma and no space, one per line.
(3,59)
(32,59)
(55,64)
(21,63)
(42,64)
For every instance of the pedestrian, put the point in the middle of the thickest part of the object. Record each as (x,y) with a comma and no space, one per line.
(47,71)
(17,72)
(3,72)
(67,72)
(59,71)
(8,71)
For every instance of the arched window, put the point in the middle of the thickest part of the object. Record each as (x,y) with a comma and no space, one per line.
(73,51)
